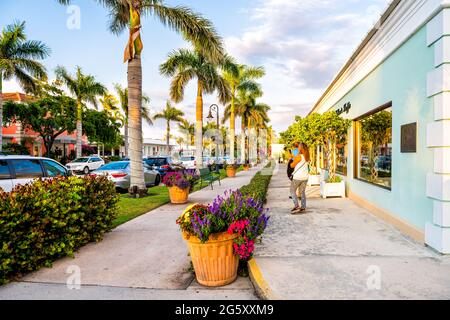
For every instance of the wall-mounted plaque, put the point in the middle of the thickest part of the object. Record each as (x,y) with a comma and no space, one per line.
(409,138)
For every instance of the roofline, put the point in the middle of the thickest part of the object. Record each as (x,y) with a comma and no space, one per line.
(363,44)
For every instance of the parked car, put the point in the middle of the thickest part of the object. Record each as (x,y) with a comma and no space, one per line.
(85,164)
(119,172)
(188,162)
(162,164)
(15,170)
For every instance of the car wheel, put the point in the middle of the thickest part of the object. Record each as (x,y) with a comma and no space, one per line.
(86,170)
(157,180)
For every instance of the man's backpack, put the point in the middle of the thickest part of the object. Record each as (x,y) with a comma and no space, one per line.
(290,170)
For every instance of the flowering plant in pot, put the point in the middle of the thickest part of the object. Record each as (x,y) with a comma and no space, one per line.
(221,234)
(179,184)
(230,169)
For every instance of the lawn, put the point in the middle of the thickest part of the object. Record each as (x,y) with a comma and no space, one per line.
(130,208)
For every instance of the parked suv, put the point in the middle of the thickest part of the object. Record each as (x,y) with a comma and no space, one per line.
(16,170)
(85,164)
(162,164)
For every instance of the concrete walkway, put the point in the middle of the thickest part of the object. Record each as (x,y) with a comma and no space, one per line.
(338,250)
(144,258)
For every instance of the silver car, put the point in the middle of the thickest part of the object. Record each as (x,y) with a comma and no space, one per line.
(119,173)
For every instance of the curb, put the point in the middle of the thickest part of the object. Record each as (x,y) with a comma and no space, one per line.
(261,286)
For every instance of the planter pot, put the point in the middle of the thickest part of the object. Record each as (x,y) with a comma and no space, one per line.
(246,167)
(332,189)
(214,261)
(178,196)
(231,172)
(314,180)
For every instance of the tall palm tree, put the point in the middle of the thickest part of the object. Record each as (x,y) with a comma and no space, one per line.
(189,129)
(245,95)
(243,80)
(126,14)
(18,59)
(85,89)
(122,93)
(185,65)
(170,113)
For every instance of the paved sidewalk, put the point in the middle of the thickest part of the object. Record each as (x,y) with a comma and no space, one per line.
(143,258)
(337,250)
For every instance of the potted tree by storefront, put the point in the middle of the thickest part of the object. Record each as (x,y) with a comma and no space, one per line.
(335,130)
(180,183)
(230,169)
(221,234)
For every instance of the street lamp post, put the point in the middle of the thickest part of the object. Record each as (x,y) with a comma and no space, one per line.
(210,117)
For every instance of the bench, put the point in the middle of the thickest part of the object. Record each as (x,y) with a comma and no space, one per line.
(207,175)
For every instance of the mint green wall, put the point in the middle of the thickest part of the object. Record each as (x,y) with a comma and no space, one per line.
(401,79)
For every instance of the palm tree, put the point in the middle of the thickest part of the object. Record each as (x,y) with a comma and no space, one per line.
(18,59)
(189,129)
(126,14)
(122,93)
(243,80)
(170,113)
(185,65)
(246,95)
(85,89)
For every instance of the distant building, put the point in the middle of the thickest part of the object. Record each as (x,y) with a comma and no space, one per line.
(156,147)
(15,133)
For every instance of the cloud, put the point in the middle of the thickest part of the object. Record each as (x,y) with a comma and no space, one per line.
(302,45)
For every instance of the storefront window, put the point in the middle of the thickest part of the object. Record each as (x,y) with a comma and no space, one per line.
(374,149)
(341,159)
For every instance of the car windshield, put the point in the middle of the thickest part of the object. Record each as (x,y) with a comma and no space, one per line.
(115,166)
(81,160)
(187,158)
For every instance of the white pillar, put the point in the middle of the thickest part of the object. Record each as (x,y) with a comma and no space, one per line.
(437,232)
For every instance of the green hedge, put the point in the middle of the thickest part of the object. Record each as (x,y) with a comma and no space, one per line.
(257,188)
(49,219)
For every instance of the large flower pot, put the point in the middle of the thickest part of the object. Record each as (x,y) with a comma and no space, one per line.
(177,195)
(332,189)
(214,261)
(246,167)
(314,180)
(231,172)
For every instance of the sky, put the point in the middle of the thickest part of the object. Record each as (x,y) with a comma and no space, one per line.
(302,44)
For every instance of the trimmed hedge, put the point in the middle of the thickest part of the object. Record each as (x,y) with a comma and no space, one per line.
(257,188)
(48,219)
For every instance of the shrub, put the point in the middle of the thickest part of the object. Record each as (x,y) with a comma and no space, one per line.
(257,188)
(48,219)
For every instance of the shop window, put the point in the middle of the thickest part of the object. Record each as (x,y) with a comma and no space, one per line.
(341,159)
(374,147)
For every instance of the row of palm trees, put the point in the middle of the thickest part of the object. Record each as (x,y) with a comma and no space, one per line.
(207,63)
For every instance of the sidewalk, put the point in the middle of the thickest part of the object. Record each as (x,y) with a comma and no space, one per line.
(145,258)
(337,250)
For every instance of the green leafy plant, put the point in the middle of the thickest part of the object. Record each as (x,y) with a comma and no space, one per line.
(48,219)
(257,188)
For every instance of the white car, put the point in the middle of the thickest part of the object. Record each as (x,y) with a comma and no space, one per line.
(188,162)
(85,164)
(16,170)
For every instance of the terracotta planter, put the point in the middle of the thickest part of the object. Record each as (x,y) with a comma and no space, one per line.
(231,172)
(177,195)
(246,167)
(214,261)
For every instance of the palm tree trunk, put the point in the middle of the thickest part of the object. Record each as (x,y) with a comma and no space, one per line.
(199,128)
(1,111)
(79,128)
(126,139)
(168,138)
(243,156)
(137,183)
(232,128)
